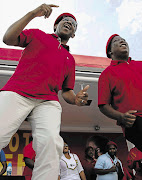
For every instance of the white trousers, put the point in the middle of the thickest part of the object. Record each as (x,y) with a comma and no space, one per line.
(45,119)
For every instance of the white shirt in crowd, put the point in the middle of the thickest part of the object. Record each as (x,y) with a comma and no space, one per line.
(106,162)
(70,168)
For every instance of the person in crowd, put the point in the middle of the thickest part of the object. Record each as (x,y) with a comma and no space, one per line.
(45,67)
(98,143)
(120,90)
(88,163)
(134,161)
(70,166)
(29,158)
(3,162)
(108,166)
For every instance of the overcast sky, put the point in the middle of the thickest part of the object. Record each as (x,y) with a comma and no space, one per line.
(97,20)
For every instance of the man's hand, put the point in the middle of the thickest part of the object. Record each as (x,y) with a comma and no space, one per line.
(113,168)
(105,171)
(128,118)
(118,165)
(43,10)
(82,97)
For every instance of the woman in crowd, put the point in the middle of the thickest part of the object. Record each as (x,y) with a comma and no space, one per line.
(70,166)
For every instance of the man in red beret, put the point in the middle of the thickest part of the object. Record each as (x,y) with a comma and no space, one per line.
(45,67)
(108,166)
(120,90)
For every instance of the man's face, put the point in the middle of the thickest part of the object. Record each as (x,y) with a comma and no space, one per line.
(90,152)
(94,147)
(112,150)
(119,47)
(67,27)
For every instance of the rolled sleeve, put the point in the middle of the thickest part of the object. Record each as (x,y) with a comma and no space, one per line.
(25,37)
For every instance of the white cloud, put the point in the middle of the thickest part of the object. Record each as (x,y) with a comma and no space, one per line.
(84,22)
(82,39)
(130,15)
(114,3)
(84,19)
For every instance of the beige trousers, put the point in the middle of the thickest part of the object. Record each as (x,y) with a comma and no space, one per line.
(45,119)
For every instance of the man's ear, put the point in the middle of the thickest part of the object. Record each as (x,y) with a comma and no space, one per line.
(110,53)
(55,27)
(73,35)
(98,150)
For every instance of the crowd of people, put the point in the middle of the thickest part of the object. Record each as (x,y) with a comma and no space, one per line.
(100,162)
(45,67)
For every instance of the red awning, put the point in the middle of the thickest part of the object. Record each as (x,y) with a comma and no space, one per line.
(81,60)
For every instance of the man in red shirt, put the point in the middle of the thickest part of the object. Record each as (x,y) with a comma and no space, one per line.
(88,163)
(29,158)
(135,162)
(45,67)
(95,147)
(120,90)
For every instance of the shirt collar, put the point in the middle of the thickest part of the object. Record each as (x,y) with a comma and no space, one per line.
(110,156)
(65,46)
(116,62)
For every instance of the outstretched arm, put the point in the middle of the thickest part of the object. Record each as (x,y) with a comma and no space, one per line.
(125,119)
(13,32)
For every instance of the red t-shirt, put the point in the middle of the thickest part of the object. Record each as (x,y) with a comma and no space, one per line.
(120,85)
(29,153)
(89,169)
(45,67)
(135,155)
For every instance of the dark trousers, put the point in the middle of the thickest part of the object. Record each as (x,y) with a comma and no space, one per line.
(134,134)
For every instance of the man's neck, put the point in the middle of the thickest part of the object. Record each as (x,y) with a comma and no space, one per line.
(122,58)
(64,42)
(89,158)
(67,155)
(112,156)
(62,39)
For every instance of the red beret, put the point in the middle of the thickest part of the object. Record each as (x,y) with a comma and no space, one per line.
(59,18)
(109,43)
(112,143)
